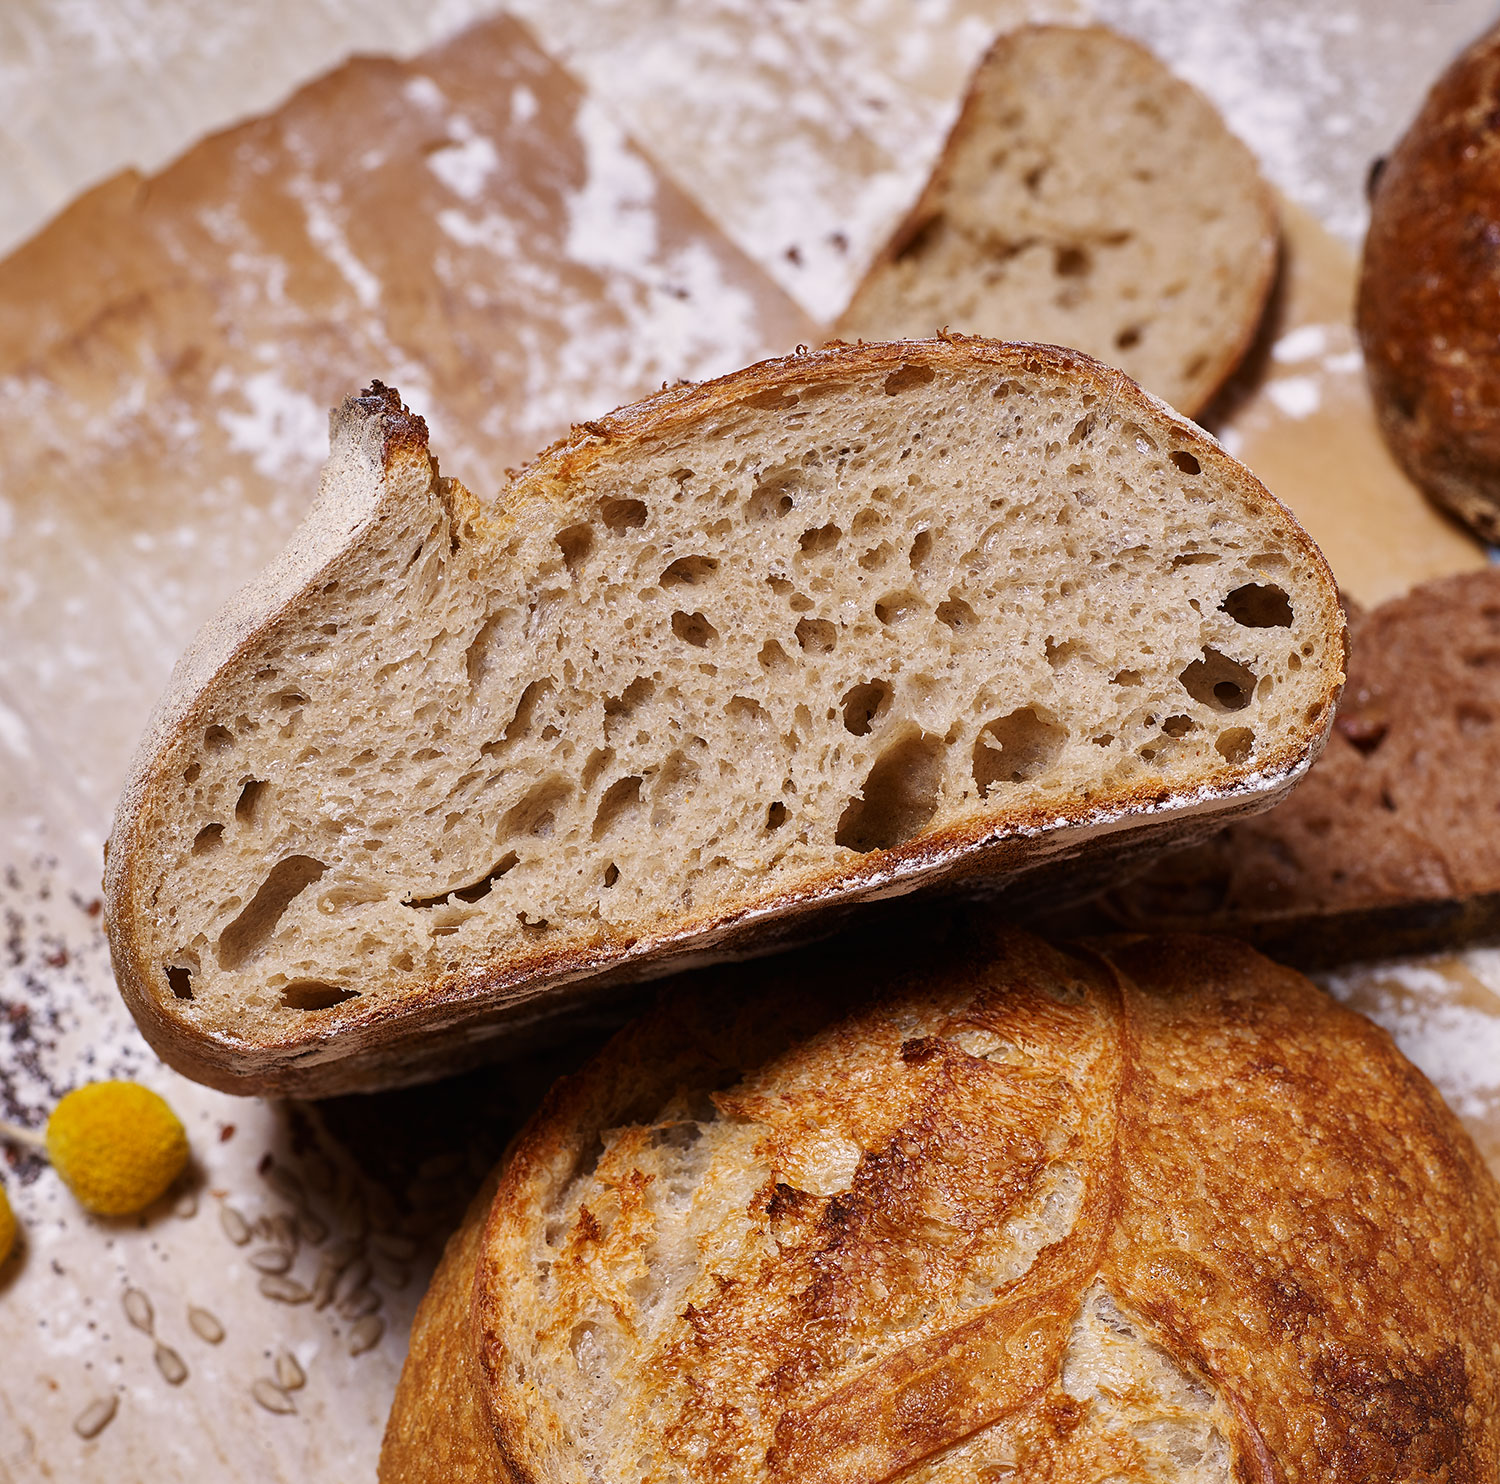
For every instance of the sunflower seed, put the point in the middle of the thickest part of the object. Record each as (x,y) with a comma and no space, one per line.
(205,1325)
(323,1286)
(366,1334)
(271,1260)
(171,1365)
(281,1180)
(392,1274)
(284,1230)
(138,1310)
(272,1397)
(236,1228)
(393,1245)
(313,1229)
(342,1253)
(359,1303)
(186,1205)
(289,1374)
(354,1277)
(284,1290)
(95,1417)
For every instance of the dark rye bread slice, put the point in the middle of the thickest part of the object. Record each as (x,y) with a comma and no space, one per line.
(1392,843)
(1086,197)
(1144,1209)
(828,629)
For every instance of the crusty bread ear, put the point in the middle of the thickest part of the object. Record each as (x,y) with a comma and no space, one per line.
(827,629)
(983,1210)
(1086,197)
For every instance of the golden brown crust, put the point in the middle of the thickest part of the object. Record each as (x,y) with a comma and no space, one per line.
(438,1027)
(1428,313)
(1278,1200)
(438,1430)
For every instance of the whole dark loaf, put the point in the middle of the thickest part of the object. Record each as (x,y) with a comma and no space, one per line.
(1391,843)
(1429,311)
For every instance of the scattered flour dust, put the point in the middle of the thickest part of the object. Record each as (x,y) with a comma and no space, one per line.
(1444,1014)
(283,432)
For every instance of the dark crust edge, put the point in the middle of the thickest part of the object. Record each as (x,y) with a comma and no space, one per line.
(1215,375)
(445,1025)
(1399,347)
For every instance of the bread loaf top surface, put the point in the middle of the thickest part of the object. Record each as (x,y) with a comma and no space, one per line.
(1132,225)
(836,625)
(1150,1209)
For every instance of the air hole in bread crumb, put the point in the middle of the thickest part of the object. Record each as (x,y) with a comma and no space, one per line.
(1128,338)
(776,815)
(957,614)
(536,811)
(210,837)
(899,797)
(1126,677)
(1186,462)
(621,798)
(1194,559)
(476,890)
(1016,748)
(907,378)
(694,629)
(921,549)
(576,542)
(773,657)
(620,516)
(611,874)
(1259,606)
(819,539)
(862,704)
(252,929)
(180,981)
(315,994)
(1235,745)
(1072,262)
(816,635)
(217,738)
(773,497)
(688,571)
(876,557)
(896,608)
(1178,726)
(1218,681)
(247,803)
(191,772)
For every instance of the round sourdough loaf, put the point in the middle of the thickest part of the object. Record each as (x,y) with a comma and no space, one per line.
(1142,1210)
(1429,313)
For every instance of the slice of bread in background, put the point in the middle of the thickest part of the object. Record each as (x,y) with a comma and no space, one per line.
(1392,844)
(830,628)
(1151,1209)
(1086,197)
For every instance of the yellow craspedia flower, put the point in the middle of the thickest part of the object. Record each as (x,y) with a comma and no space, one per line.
(7,1228)
(117,1146)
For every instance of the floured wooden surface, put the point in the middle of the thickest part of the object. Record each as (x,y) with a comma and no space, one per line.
(476,229)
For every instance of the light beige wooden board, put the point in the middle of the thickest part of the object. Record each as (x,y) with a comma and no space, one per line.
(168,349)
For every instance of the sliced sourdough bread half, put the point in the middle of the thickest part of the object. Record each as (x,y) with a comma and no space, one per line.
(830,628)
(1086,197)
(1000,1210)
(1391,845)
